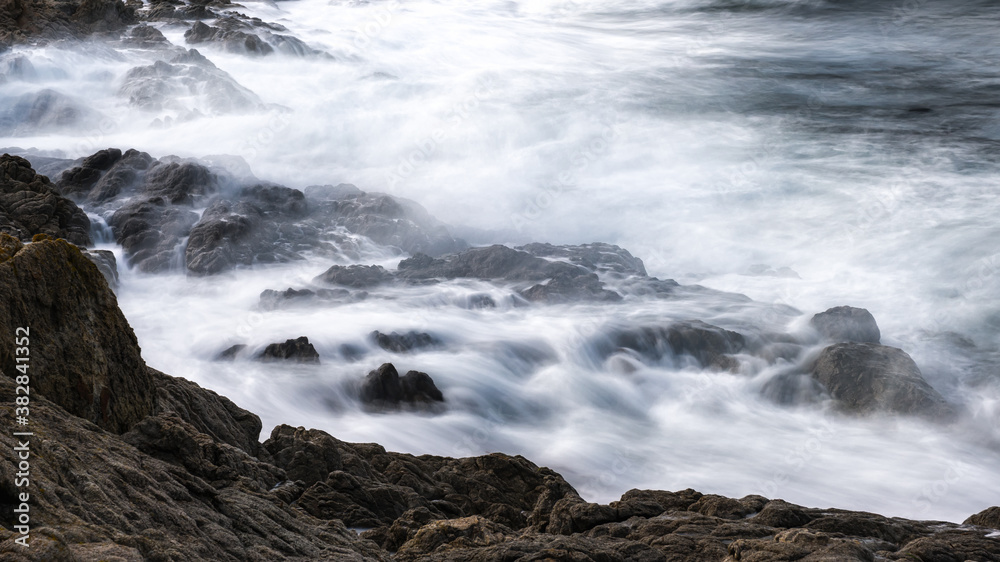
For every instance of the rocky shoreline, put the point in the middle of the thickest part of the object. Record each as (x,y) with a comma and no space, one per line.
(128,463)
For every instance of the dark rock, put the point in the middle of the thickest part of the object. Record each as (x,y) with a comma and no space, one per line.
(231,352)
(234,41)
(208,412)
(404,343)
(106,264)
(76,330)
(26,20)
(357,276)
(151,232)
(557,281)
(105,175)
(146,36)
(951,545)
(989,517)
(298,350)
(710,345)
(867,378)
(30,205)
(597,257)
(781,514)
(847,324)
(384,388)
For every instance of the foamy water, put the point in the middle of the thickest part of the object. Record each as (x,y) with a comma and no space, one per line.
(705,138)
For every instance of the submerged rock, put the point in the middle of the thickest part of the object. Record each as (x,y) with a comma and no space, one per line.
(30,205)
(867,378)
(384,388)
(404,343)
(709,345)
(847,324)
(357,276)
(298,350)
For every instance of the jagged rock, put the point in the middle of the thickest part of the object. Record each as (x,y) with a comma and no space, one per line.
(557,281)
(231,352)
(208,412)
(105,175)
(273,300)
(30,205)
(357,276)
(989,517)
(597,257)
(709,345)
(146,36)
(867,378)
(106,264)
(384,388)
(298,350)
(76,330)
(234,41)
(24,20)
(254,229)
(847,324)
(404,343)
(151,231)
(169,86)
(94,496)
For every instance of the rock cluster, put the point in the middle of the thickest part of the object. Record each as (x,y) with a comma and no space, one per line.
(132,464)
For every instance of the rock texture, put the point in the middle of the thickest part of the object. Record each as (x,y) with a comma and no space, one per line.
(847,324)
(709,346)
(298,350)
(384,388)
(867,378)
(178,473)
(30,205)
(76,330)
(26,20)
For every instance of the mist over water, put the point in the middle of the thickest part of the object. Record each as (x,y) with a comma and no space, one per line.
(854,143)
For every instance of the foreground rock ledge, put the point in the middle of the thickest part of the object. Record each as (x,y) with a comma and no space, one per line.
(164,470)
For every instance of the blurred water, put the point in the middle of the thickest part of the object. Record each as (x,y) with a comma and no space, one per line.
(853,142)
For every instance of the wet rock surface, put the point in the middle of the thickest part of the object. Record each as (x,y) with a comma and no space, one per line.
(709,346)
(847,324)
(180,474)
(384,388)
(867,378)
(30,205)
(298,350)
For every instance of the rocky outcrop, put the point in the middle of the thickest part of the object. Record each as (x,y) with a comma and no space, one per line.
(298,350)
(181,474)
(866,378)
(597,257)
(404,343)
(710,346)
(27,20)
(847,324)
(384,388)
(30,205)
(169,85)
(355,276)
(76,330)
(548,281)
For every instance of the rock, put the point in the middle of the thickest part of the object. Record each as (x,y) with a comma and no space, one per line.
(404,343)
(298,350)
(24,20)
(709,345)
(793,389)
(105,175)
(234,41)
(106,264)
(866,378)
(556,281)
(30,205)
(356,276)
(231,352)
(332,192)
(273,300)
(473,531)
(146,36)
(253,229)
(989,518)
(781,514)
(45,111)
(384,388)
(597,257)
(76,330)
(169,86)
(208,412)
(847,324)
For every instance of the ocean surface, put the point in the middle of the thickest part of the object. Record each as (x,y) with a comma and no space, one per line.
(807,154)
